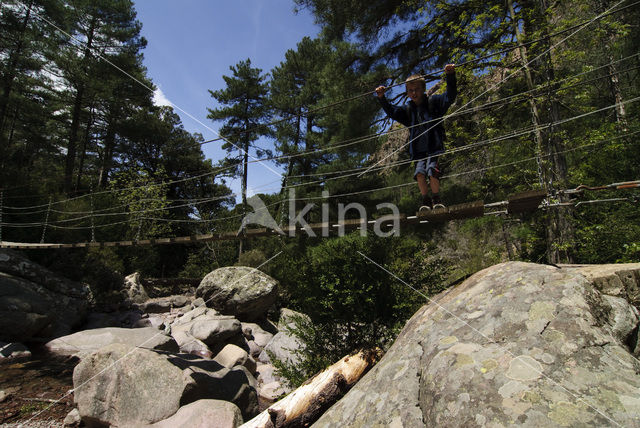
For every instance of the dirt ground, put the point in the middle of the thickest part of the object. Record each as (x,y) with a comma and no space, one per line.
(36,392)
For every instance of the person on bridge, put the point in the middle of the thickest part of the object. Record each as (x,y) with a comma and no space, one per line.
(423,116)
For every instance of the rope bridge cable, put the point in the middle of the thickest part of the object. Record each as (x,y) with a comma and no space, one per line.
(127,213)
(341,195)
(187,202)
(491,104)
(516,204)
(353,141)
(167,183)
(484,169)
(515,134)
(611,11)
(316,198)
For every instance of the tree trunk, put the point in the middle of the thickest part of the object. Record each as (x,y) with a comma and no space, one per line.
(245,174)
(285,180)
(551,163)
(560,224)
(10,76)
(75,116)
(306,404)
(107,156)
(535,116)
(83,152)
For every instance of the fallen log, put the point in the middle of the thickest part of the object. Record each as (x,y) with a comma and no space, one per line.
(306,404)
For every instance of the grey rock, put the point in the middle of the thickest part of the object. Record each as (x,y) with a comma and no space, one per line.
(37,303)
(88,341)
(134,289)
(164,304)
(123,386)
(232,356)
(200,311)
(621,280)
(211,329)
(72,419)
(283,346)
(202,414)
(516,344)
(198,302)
(621,317)
(254,349)
(270,385)
(256,333)
(190,345)
(243,292)
(288,319)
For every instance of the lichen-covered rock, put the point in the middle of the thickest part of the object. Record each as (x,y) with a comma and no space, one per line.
(516,344)
(243,292)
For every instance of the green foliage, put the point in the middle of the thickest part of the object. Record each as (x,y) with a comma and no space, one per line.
(252,258)
(198,265)
(145,197)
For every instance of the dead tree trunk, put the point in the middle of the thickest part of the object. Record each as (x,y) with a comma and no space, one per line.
(306,404)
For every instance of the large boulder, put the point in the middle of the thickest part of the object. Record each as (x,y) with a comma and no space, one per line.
(516,344)
(202,414)
(243,292)
(123,386)
(37,303)
(210,329)
(87,341)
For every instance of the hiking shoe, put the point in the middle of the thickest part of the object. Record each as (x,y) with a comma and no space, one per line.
(438,206)
(424,209)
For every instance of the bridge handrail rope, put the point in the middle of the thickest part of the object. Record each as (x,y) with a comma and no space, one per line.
(471,208)
(315,198)
(516,133)
(126,213)
(312,198)
(46,221)
(237,216)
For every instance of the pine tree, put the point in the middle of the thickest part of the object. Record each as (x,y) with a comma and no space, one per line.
(244,114)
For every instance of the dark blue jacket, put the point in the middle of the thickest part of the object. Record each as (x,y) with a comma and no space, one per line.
(428,136)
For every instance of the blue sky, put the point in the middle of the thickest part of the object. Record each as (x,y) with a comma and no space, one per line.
(192,44)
